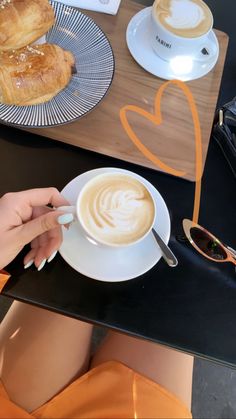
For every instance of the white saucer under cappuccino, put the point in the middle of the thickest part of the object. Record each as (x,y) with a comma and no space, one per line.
(181,28)
(108,263)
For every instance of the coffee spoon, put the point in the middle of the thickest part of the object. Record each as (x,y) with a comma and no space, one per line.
(168,255)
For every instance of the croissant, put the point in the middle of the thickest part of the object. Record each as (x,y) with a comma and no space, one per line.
(23,21)
(34,74)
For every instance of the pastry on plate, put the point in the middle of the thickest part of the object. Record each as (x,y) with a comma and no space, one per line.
(23,21)
(34,74)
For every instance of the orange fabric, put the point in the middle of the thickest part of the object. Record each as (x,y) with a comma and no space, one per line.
(4,276)
(110,390)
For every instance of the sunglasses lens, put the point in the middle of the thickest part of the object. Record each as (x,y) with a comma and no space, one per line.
(207,244)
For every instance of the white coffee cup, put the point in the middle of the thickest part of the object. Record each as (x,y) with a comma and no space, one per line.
(114,209)
(173,34)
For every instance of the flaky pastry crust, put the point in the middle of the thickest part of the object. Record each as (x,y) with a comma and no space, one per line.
(34,74)
(23,22)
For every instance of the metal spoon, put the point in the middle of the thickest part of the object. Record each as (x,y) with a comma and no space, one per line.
(168,255)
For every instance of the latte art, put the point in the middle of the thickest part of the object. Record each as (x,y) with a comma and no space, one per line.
(179,19)
(116,209)
(187,18)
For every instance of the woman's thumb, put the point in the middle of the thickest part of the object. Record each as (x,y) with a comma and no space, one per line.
(37,226)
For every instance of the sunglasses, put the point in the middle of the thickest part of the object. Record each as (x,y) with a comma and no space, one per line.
(207,244)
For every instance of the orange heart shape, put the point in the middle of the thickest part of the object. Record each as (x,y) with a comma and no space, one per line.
(156,119)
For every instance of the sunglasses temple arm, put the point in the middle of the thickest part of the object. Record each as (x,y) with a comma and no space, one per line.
(233,255)
(232,251)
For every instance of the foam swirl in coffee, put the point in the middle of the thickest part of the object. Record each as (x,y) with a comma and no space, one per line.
(116,209)
(187,18)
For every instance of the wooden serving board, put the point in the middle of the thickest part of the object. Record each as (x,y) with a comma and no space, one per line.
(173,142)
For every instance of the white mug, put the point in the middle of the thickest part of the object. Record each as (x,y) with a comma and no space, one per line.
(110,204)
(168,45)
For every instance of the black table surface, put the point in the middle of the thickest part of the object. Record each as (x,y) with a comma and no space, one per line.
(191,307)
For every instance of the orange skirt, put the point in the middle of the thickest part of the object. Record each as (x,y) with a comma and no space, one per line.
(110,390)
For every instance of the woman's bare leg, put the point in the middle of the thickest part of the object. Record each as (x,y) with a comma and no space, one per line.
(40,353)
(172,369)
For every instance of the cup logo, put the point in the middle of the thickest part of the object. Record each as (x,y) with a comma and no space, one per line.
(162,42)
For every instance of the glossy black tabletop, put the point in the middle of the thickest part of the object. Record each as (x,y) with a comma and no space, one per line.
(191,307)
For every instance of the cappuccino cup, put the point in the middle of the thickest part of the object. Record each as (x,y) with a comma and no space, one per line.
(114,209)
(181,28)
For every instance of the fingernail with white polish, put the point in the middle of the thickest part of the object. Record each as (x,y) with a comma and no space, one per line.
(42,264)
(30,263)
(52,256)
(65,218)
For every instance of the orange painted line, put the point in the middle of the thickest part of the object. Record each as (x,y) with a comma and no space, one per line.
(156,119)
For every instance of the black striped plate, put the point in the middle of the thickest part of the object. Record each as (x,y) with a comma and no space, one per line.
(95,65)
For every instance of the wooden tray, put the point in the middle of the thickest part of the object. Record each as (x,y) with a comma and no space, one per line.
(173,142)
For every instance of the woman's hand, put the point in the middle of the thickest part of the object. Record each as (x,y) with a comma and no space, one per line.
(25,218)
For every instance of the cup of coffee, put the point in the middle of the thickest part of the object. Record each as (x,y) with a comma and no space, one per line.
(181,28)
(115,209)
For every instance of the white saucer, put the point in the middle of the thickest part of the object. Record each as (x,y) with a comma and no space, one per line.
(112,265)
(137,38)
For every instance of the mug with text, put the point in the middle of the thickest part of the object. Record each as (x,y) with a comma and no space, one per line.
(181,28)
